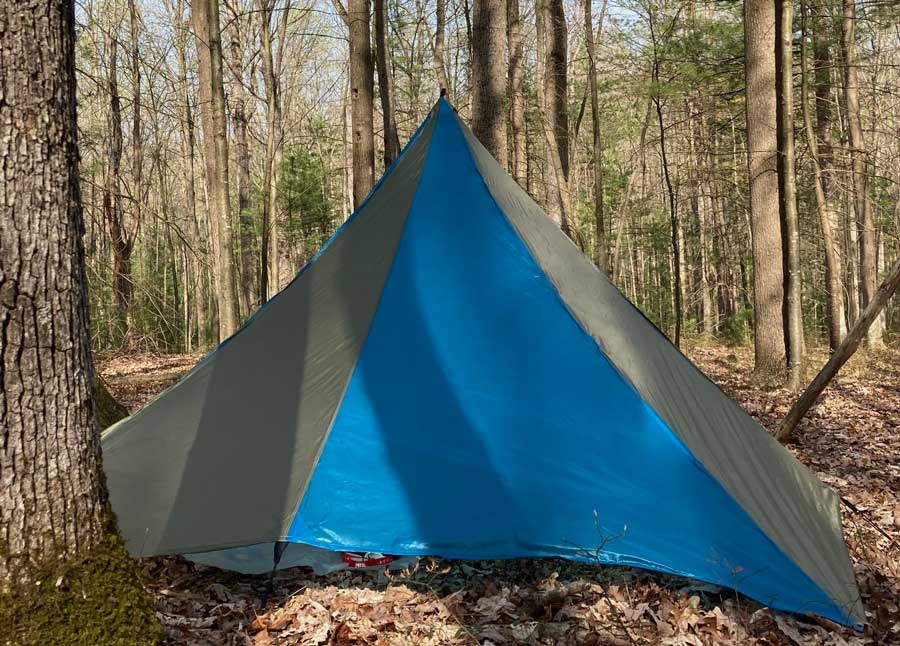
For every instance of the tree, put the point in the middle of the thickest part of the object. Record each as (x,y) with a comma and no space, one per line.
(385,89)
(362,90)
(600,255)
(552,47)
(440,66)
(240,121)
(819,140)
(762,161)
(516,48)
(272,57)
(868,250)
(489,70)
(63,569)
(208,39)
(787,191)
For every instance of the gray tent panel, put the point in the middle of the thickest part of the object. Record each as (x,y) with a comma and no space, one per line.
(781,495)
(224,456)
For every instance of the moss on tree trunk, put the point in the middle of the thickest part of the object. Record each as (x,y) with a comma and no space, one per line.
(96,599)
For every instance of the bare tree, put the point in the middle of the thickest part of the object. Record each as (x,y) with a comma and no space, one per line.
(600,253)
(868,250)
(516,48)
(385,84)
(207,35)
(356,17)
(272,57)
(239,119)
(440,66)
(762,159)
(552,48)
(489,69)
(819,140)
(793,287)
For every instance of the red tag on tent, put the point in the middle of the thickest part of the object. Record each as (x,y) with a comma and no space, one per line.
(367,559)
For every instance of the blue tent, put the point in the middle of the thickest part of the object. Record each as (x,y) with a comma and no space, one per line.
(451,376)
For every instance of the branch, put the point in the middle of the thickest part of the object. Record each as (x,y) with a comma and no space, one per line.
(844,351)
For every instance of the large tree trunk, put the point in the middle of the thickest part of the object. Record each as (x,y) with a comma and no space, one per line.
(361,95)
(790,222)
(819,140)
(868,249)
(239,120)
(207,35)
(56,529)
(385,85)
(552,22)
(515,44)
(489,69)
(762,159)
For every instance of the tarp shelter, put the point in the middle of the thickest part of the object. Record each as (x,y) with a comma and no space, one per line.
(451,376)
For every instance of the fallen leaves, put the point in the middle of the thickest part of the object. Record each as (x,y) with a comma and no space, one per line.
(851,440)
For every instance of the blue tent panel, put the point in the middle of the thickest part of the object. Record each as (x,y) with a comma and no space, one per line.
(482,422)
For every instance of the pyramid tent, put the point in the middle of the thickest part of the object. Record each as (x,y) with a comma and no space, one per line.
(450,376)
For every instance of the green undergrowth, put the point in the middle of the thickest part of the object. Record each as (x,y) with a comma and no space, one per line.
(97,600)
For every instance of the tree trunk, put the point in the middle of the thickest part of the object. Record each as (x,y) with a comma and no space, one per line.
(122,243)
(819,141)
(186,118)
(868,249)
(57,532)
(600,253)
(790,222)
(489,73)
(552,21)
(207,35)
(239,120)
(515,44)
(440,65)
(762,160)
(385,85)
(840,356)
(361,96)
(137,149)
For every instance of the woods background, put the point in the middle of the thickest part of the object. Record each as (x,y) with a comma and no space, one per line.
(223,143)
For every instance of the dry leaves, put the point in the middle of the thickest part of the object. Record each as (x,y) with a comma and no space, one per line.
(851,440)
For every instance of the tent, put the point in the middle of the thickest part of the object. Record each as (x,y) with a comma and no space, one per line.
(450,376)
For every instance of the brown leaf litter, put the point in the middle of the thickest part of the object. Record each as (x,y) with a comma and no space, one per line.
(851,440)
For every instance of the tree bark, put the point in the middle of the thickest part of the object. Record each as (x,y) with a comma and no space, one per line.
(361,96)
(440,65)
(137,148)
(239,122)
(600,252)
(790,222)
(868,249)
(207,35)
(489,74)
(54,514)
(840,356)
(515,45)
(819,141)
(385,85)
(552,22)
(762,161)
(122,242)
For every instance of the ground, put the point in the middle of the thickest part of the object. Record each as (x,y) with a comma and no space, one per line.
(851,440)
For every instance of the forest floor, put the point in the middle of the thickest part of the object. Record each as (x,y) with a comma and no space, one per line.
(851,440)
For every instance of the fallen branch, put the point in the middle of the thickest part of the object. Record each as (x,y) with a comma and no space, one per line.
(840,356)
